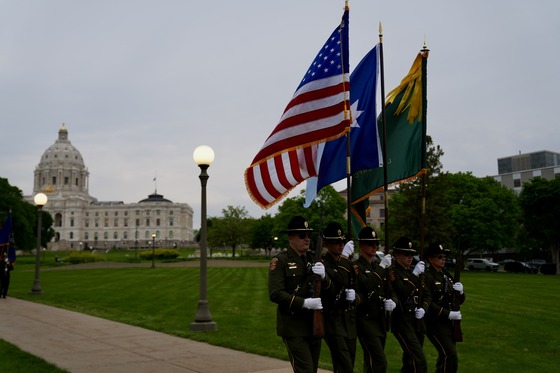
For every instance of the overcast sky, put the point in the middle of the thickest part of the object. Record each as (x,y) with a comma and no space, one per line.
(140,84)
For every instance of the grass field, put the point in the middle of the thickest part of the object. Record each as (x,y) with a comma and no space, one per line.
(510,321)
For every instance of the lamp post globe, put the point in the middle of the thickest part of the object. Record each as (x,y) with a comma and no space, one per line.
(40,200)
(203,157)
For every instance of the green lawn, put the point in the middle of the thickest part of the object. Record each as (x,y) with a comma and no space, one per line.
(509,322)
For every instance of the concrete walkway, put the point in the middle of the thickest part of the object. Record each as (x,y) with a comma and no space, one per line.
(85,344)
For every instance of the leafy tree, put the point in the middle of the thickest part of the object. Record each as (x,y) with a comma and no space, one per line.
(263,235)
(328,207)
(540,202)
(405,206)
(461,209)
(484,214)
(24,216)
(232,229)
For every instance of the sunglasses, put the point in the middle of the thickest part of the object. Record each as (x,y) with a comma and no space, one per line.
(303,236)
(440,257)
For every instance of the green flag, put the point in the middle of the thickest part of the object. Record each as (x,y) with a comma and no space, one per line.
(405,135)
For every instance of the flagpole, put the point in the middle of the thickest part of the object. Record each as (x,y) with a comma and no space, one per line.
(348,157)
(384,138)
(424,52)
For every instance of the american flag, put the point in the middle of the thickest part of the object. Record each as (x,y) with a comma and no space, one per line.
(319,111)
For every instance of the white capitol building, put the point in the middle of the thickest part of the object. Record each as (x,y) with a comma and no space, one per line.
(81,221)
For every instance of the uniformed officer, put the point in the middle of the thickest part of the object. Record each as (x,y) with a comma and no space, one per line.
(338,300)
(408,325)
(290,278)
(375,300)
(441,316)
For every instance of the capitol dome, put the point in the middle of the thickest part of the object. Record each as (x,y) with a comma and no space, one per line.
(62,169)
(62,152)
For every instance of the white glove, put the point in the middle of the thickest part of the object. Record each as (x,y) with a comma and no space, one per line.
(348,249)
(419,313)
(455,315)
(313,303)
(319,269)
(458,287)
(419,269)
(389,305)
(350,295)
(386,261)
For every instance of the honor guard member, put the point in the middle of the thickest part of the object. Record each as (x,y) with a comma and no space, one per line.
(408,325)
(290,277)
(374,304)
(440,317)
(339,301)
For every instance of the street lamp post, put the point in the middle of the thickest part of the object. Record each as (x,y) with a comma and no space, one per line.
(40,200)
(203,156)
(153,250)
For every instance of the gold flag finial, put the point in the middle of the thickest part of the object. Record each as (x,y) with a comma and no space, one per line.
(380,32)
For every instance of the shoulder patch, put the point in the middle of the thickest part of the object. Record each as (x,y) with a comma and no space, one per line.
(273,264)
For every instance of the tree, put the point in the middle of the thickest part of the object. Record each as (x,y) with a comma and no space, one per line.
(232,229)
(328,207)
(540,203)
(263,235)
(461,210)
(405,206)
(485,215)
(24,216)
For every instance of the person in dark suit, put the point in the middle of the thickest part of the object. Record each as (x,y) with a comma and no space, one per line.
(408,325)
(290,279)
(339,301)
(5,268)
(375,300)
(441,317)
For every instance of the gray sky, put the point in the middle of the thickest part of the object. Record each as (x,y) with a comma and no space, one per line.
(140,84)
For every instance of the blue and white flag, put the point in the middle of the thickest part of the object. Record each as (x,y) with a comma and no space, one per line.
(365,144)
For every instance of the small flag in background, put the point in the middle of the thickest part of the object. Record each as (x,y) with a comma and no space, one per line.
(318,111)
(365,148)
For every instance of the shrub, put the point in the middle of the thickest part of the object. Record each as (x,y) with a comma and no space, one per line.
(160,254)
(82,257)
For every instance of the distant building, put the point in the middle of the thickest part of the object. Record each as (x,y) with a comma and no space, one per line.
(515,170)
(80,221)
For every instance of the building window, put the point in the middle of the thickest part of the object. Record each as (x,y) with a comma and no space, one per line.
(125,222)
(96,223)
(171,212)
(86,236)
(516,183)
(71,222)
(54,180)
(158,222)
(147,222)
(126,213)
(106,223)
(71,235)
(105,235)
(116,235)
(381,213)
(137,222)
(125,235)
(77,183)
(158,212)
(66,180)
(86,223)
(116,222)
(171,234)
(170,222)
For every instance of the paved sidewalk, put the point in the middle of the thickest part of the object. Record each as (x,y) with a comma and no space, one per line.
(85,344)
